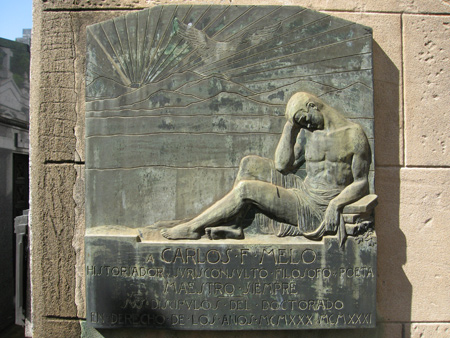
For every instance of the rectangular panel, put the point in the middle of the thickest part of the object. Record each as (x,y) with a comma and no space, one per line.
(223,144)
(187,286)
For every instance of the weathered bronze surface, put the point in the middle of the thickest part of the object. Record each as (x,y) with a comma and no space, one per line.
(336,155)
(218,122)
(287,284)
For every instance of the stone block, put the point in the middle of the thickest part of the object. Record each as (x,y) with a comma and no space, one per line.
(428,330)
(427,80)
(364,205)
(428,6)
(58,36)
(394,288)
(56,110)
(94,4)
(78,240)
(58,95)
(389,6)
(53,122)
(53,256)
(412,225)
(58,79)
(49,65)
(56,147)
(56,328)
(353,218)
(424,215)
(60,49)
(387,64)
(407,6)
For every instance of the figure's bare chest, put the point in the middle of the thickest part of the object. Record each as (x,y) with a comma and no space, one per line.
(333,147)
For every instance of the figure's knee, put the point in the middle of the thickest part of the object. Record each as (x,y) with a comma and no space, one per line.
(255,166)
(245,190)
(254,161)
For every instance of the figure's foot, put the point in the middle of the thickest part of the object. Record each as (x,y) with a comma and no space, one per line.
(181,231)
(224,232)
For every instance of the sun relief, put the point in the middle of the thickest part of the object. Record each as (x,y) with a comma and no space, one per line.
(236,139)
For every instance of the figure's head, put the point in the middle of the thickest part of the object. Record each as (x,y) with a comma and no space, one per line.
(305,110)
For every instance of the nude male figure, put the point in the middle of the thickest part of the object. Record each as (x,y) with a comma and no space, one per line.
(336,155)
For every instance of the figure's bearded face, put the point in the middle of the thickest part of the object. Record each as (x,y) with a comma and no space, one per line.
(304,110)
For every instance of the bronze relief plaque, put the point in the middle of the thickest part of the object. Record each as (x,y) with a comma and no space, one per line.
(229,170)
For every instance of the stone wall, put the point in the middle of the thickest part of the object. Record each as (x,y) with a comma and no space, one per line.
(412,77)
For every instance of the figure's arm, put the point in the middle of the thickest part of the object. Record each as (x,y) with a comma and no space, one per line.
(354,191)
(289,154)
(358,188)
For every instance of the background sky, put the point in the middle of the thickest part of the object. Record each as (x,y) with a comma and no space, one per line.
(14,16)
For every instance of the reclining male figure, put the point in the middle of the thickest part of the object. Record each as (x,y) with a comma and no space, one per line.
(337,157)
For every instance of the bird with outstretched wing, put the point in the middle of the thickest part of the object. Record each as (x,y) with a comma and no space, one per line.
(212,50)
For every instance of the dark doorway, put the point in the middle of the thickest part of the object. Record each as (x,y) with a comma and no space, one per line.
(20,184)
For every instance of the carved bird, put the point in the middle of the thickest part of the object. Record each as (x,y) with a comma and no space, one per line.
(213,50)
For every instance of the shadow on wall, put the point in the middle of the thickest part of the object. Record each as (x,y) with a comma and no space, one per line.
(393,289)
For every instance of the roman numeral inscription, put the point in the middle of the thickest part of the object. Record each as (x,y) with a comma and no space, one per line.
(289,286)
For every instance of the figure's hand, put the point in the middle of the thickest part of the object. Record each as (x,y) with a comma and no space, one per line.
(294,117)
(332,218)
(299,118)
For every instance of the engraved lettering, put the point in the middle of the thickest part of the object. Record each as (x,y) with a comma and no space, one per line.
(177,319)
(308,256)
(150,259)
(302,305)
(356,272)
(97,317)
(203,320)
(194,256)
(239,305)
(145,319)
(258,288)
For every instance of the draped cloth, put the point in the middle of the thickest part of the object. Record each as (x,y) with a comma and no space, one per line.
(312,202)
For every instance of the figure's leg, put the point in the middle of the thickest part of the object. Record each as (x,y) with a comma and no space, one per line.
(255,168)
(277,202)
(225,232)
(221,211)
(252,167)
